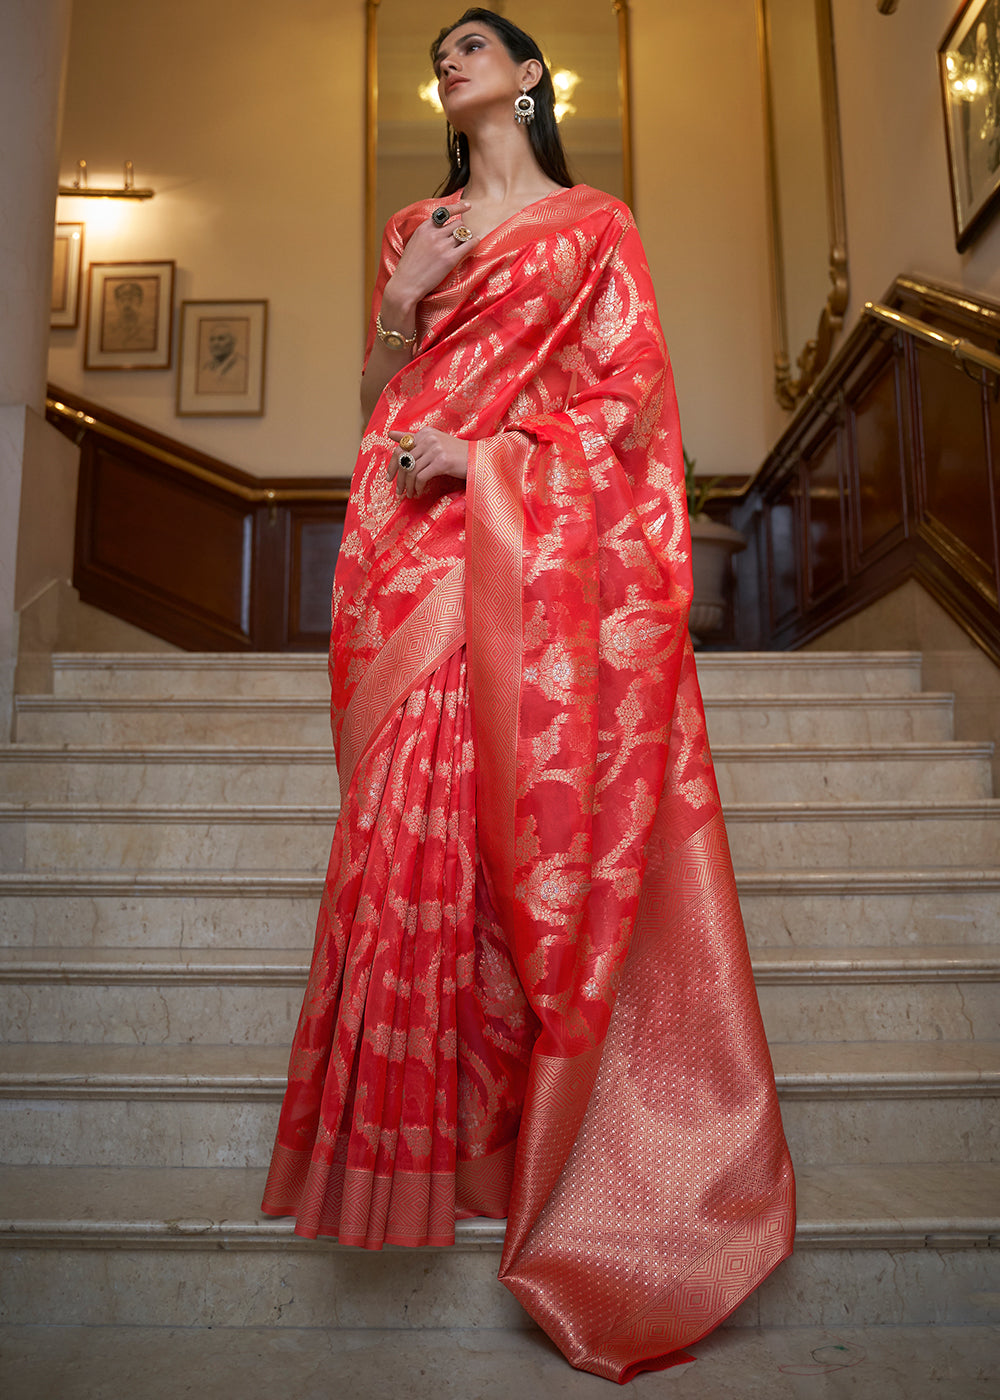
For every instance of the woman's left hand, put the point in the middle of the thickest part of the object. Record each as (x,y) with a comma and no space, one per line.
(434,454)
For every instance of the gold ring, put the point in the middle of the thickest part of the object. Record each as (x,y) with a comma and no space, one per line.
(407,442)
(462,234)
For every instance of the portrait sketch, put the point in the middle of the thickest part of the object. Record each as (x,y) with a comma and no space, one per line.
(130,315)
(67,256)
(969,61)
(221,364)
(223,355)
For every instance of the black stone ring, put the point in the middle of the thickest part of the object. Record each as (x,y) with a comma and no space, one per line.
(406,462)
(440,217)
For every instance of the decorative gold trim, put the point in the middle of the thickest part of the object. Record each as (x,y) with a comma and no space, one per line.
(789,390)
(621,8)
(622,11)
(371,140)
(254,494)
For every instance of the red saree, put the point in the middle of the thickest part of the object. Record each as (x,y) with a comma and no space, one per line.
(530,994)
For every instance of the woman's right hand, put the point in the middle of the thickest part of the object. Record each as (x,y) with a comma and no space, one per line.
(430,254)
(426,261)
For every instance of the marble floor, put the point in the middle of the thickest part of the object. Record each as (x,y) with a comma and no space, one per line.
(109,1363)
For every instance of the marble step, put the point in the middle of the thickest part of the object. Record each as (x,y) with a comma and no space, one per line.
(134,1246)
(248,720)
(209,773)
(763,836)
(293,675)
(208,1105)
(863,835)
(191,674)
(909,1206)
(755,719)
(210,909)
(203,774)
(744,1358)
(237,722)
(162,996)
(841,719)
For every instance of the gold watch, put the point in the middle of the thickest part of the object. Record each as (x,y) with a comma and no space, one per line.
(395,340)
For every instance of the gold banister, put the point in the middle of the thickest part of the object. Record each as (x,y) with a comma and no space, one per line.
(963,350)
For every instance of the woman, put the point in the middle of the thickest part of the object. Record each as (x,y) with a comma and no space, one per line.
(530,995)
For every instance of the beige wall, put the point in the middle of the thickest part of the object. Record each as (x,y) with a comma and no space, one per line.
(246,117)
(895,165)
(701,210)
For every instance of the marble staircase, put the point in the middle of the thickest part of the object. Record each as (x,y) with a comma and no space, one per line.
(164,828)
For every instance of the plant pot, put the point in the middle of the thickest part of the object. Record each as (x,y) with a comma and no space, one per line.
(712,548)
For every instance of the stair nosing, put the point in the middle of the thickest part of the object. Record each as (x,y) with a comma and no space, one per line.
(886,809)
(289,966)
(827,881)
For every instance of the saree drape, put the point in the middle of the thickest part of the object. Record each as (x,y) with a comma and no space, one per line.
(530,993)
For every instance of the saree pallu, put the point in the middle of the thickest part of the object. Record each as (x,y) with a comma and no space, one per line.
(530,993)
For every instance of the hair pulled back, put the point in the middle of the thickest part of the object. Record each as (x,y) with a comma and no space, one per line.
(543,132)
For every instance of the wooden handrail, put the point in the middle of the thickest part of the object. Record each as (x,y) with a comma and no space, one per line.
(151,445)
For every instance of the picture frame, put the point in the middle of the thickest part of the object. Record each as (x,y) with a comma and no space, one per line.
(222,361)
(130,316)
(969,69)
(67,265)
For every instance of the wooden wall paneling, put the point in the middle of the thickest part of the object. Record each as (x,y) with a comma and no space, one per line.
(270,577)
(953,465)
(907,487)
(992,398)
(171,549)
(783,528)
(193,549)
(878,456)
(315,543)
(825,524)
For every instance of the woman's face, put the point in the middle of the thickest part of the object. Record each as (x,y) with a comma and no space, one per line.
(474,70)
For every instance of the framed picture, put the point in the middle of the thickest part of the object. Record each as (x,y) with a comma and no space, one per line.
(130,316)
(969,64)
(220,368)
(67,261)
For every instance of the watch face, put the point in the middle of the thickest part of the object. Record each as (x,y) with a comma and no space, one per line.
(394,340)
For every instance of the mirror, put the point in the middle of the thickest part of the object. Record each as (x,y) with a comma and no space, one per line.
(805,187)
(585,40)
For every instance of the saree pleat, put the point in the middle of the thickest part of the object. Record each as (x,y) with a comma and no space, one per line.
(408,1026)
(530,992)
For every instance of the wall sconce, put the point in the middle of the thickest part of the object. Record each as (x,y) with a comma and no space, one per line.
(80,188)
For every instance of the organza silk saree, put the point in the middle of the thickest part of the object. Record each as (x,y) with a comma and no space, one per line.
(530,994)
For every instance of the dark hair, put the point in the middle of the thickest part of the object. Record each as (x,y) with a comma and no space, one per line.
(543,132)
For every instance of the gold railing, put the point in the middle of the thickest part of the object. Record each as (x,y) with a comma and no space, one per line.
(255,495)
(963,350)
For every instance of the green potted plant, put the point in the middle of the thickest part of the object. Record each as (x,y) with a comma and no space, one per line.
(712,548)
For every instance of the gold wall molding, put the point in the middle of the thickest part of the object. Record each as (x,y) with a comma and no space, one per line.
(790,386)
